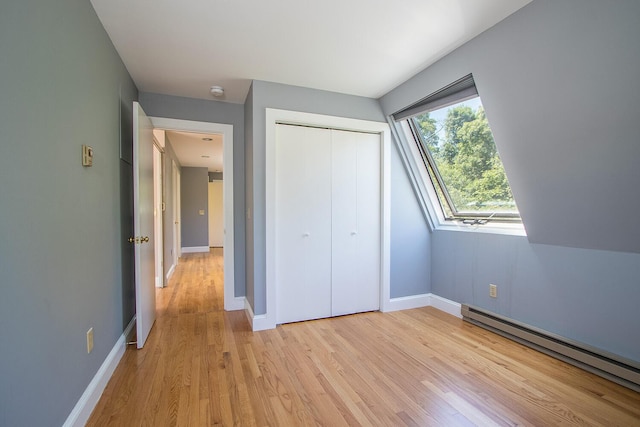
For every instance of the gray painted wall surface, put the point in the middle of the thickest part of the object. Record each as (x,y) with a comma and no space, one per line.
(410,256)
(587,295)
(248,167)
(59,222)
(559,84)
(558,80)
(215,176)
(175,107)
(274,95)
(194,195)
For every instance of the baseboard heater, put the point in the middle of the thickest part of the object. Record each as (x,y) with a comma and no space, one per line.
(607,365)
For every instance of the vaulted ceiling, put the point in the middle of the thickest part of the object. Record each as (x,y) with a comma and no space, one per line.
(359,47)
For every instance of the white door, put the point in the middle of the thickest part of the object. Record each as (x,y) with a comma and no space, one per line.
(303,223)
(356,216)
(143,223)
(216,215)
(327,222)
(176,212)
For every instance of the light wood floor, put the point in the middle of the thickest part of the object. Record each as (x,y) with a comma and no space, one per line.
(202,366)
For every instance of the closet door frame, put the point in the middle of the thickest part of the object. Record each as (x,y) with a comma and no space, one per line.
(274,116)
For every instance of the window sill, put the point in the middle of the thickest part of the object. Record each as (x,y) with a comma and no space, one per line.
(504,229)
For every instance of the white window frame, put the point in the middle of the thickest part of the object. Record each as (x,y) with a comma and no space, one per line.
(424,188)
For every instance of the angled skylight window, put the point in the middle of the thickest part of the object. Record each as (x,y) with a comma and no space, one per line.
(457,148)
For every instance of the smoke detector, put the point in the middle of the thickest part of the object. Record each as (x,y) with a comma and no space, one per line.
(217,91)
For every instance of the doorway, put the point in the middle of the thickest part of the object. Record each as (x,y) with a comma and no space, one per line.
(167,124)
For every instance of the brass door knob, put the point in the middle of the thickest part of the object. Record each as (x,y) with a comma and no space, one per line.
(145,239)
(131,239)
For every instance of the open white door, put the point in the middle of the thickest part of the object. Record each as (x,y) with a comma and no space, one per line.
(143,223)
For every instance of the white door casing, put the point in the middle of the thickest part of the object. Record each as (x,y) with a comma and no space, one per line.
(143,224)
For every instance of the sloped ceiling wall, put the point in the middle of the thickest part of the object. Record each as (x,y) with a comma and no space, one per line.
(559,82)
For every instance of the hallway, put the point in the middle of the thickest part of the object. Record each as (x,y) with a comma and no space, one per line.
(202,366)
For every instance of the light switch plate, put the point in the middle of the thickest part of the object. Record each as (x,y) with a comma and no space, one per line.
(89,340)
(87,155)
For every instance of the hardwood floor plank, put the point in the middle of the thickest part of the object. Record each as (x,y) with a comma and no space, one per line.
(202,366)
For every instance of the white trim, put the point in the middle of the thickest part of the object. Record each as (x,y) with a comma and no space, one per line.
(87,402)
(425,300)
(227,159)
(172,269)
(295,117)
(238,303)
(408,162)
(194,249)
(258,322)
(446,305)
(407,303)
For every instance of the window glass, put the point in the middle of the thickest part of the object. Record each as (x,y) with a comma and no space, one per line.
(463,163)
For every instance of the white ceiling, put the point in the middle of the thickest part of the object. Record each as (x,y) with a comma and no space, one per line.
(193,151)
(358,47)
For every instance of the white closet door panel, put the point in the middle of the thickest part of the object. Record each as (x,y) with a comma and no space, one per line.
(369,221)
(344,274)
(303,223)
(356,222)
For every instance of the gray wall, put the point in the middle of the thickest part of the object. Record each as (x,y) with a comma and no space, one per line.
(194,196)
(175,107)
(559,84)
(587,295)
(60,262)
(248,167)
(410,256)
(215,176)
(273,95)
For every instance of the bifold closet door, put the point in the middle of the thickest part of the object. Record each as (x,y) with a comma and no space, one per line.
(303,223)
(355,247)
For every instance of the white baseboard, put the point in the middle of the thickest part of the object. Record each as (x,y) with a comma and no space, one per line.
(258,322)
(195,249)
(82,411)
(406,303)
(261,322)
(446,305)
(234,303)
(172,269)
(424,300)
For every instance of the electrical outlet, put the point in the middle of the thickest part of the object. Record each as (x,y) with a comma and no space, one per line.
(493,291)
(89,340)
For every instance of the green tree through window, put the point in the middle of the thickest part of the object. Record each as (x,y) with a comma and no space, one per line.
(464,162)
